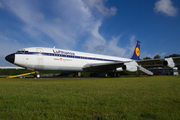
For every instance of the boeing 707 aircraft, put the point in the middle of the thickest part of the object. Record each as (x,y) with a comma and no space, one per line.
(39,58)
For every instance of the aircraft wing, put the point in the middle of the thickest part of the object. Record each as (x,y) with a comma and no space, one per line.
(112,66)
(103,66)
(149,61)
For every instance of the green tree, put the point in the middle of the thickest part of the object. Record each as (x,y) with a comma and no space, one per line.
(173,55)
(146,58)
(157,57)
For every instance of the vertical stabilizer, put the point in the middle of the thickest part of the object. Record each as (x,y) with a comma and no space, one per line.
(136,54)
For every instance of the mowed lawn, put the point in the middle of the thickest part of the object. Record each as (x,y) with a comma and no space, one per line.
(145,98)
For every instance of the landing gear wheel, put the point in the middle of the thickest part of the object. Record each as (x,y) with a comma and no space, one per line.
(117,74)
(111,75)
(114,74)
(37,76)
(93,75)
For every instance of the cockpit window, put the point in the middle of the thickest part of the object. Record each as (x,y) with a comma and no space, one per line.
(22,51)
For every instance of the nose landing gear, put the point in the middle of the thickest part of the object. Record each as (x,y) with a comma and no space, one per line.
(37,75)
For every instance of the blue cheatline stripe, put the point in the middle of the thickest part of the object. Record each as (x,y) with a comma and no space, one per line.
(70,56)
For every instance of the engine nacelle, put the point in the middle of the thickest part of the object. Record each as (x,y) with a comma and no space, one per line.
(119,69)
(169,62)
(131,66)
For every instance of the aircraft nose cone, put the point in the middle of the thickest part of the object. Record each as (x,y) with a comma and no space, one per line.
(10,58)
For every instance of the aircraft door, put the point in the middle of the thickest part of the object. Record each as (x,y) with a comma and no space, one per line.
(39,59)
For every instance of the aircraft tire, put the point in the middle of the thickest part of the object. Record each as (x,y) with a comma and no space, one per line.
(93,75)
(117,74)
(114,74)
(37,76)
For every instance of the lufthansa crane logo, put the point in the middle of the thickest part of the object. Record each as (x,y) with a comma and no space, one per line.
(137,51)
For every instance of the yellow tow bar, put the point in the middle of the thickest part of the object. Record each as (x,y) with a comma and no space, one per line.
(21,75)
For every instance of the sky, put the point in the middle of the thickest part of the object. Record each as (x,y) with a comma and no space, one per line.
(108,27)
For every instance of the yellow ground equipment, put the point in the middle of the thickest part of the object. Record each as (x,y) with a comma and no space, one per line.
(21,75)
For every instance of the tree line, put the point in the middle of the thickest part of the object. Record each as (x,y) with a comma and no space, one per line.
(158,56)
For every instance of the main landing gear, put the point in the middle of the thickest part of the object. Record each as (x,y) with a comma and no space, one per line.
(114,74)
(37,75)
(93,75)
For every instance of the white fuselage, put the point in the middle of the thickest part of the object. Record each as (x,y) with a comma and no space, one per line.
(59,59)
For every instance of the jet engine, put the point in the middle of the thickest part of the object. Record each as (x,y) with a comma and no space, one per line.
(169,62)
(130,67)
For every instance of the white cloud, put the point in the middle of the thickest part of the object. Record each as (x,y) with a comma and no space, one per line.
(130,48)
(112,47)
(146,54)
(1,5)
(8,46)
(77,20)
(95,33)
(37,15)
(32,17)
(32,31)
(99,5)
(57,20)
(132,43)
(162,54)
(165,7)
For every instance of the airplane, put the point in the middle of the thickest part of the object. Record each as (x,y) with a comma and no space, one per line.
(40,58)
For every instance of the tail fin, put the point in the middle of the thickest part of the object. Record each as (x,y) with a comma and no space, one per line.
(136,54)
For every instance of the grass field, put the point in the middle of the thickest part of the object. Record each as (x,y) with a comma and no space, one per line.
(145,98)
